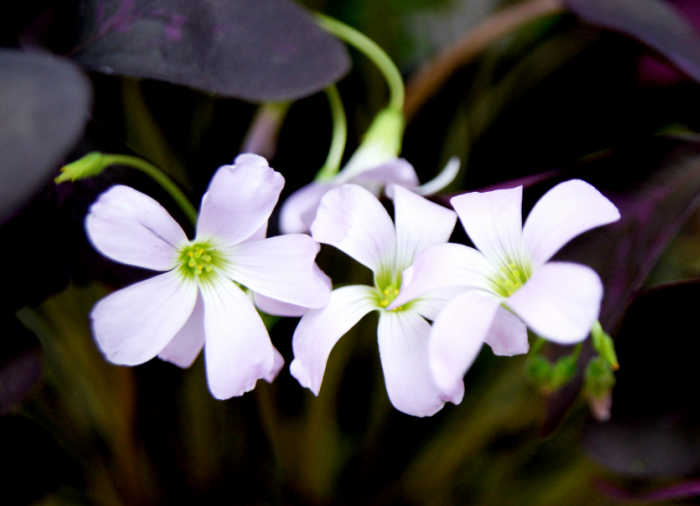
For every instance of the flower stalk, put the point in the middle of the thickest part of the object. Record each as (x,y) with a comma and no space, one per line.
(339,137)
(94,163)
(370,49)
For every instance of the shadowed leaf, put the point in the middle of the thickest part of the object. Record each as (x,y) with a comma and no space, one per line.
(20,362)
(655,185)
(259,51)
(654,22)
(44,104)
(654,426)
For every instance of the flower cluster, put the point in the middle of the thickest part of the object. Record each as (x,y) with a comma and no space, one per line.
(206,294)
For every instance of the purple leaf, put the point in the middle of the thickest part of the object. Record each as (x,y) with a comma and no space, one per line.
(653,22)
(44,105)
(656,186)
(258,51)
(654,426)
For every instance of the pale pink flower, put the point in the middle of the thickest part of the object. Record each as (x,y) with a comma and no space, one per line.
(367,169)
(508,283)
(197,301)
(352,219)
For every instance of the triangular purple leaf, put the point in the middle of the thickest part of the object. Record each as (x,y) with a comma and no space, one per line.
(654,22)
(265,50)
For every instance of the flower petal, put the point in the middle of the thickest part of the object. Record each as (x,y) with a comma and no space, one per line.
(299,210)
(132,228)
(507,335)
(567,210)
(320,329)
(134,324)
(395,171)
(238,350)
(443,266)
(442,180)
(493,221)
(457,335)
(188,342)
(430,304)
(281,267)
(277,307)
(239,200)
(352,219)
(560,301)
(419,224)
(403,349)
(367,156)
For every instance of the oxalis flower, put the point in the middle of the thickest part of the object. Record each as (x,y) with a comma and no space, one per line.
(352,219)
(374,166)
(197,298)
(509,284)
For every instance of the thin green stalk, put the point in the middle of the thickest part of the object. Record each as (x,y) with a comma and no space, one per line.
(370,49)
(158,176)
(340,135)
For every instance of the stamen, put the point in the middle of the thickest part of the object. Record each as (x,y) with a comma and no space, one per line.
(199,261)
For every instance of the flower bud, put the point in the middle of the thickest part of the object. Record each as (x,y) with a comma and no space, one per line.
(88,166)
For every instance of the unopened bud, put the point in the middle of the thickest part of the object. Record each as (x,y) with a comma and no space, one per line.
(88,166)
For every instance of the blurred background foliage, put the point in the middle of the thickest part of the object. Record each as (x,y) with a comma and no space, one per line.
(551,99)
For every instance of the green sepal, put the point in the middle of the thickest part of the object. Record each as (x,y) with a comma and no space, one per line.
(548,376)
(88,166)
(598,378)
(604,345)
(540,372)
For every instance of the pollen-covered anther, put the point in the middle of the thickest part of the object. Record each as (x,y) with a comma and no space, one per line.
(199,260)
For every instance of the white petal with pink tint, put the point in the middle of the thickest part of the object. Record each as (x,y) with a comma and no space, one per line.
(457,336)
(443,266)
(134,324)
(237,351)
(320,329)
(352,219)
(493,221)
(430,304)
(560,302)
(403,349)
(299,210)
(277,307)
(188,342)
(567,210)
(132,228)
(239,200)
(282,268)
(395,171)
(419,224)
(507,335)
(442,180)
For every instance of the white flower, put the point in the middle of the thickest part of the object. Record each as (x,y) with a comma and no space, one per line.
(196,300)
(352,219)
(374,166)
(299,210)
(508,284)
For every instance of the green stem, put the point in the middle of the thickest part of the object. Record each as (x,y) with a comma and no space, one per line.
(340,135)
(159,176)
(370,49)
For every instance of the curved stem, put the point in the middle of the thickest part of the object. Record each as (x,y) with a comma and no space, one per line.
(435,72)
(370,49)
(340,135)
(158,176)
